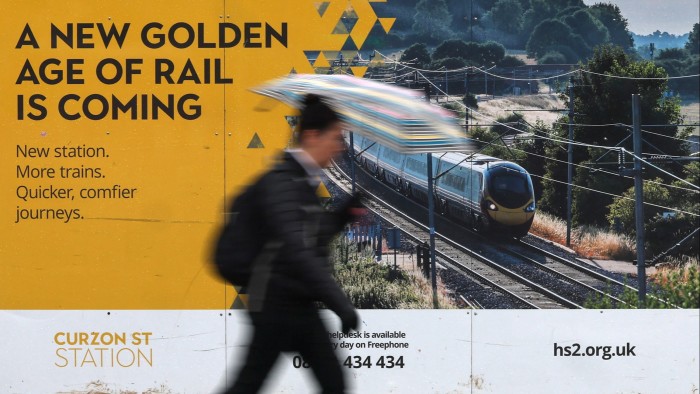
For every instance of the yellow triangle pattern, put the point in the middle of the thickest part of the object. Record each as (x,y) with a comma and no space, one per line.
(240,302)
(330,55)
(255,142)
(340,28)
(321,61)
(241,299)
(387,23)
(359,71)
(322,191)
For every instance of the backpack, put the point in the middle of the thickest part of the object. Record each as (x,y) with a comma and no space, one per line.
(242,239)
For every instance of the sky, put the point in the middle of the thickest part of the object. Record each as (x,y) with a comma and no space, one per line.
(646,16)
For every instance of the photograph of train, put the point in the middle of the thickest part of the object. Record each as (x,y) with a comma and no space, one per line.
(483,192)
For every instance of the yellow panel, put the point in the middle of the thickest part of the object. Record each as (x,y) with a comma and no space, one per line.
(146,246)
(149,248)
(367,19)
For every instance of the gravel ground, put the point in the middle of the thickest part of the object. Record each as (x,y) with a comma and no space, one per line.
(485,295)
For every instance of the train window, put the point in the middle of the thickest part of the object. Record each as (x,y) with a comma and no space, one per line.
(372,148)
(455,182)
(416,166)
(475,186)
(509,187)
(391,155)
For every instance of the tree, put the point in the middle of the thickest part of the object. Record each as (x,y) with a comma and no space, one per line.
(491,146)
(510,61)
(555,174)
(454,48)
(492,52)
(448,63)
(541,10)
(547,34)
(418,54)
(621,210)
(507,15)
(432,19)
(673,53)
(470,101)
(605,100)
(471,52)
(552,57)
(611,17)
(693,44)
(588,27)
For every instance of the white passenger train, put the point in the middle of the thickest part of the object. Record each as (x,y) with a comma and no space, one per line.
(480,191)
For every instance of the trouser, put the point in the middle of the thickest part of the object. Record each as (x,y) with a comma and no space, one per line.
(299,331)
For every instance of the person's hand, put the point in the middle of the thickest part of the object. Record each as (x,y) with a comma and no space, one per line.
(350,321)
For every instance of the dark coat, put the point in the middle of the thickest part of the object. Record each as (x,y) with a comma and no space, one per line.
(299,272)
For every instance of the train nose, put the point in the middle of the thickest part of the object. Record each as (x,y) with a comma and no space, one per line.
(510,217)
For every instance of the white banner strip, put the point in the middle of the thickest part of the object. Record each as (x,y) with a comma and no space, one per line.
(436,351)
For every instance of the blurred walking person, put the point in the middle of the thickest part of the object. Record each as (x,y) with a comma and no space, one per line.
(294,271)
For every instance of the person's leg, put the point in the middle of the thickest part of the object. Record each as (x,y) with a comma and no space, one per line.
(262,354)
(316,349)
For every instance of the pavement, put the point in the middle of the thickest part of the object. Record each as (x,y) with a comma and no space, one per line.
(623,267)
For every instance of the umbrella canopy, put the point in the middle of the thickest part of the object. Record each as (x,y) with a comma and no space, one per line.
(393,116)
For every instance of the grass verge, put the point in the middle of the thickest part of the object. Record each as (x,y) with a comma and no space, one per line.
(589,242)
(372,285)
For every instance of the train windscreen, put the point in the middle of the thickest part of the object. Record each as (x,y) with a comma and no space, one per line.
(509,187)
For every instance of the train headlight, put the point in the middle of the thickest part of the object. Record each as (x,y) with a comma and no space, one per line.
(530,208)
(491,206)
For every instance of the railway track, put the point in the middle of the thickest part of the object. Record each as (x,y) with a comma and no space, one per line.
(495,276)
(558,282)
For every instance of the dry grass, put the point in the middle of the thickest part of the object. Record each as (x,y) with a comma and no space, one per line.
(690,109)
(425,288)
(589,242)
(502,106)
(679,265)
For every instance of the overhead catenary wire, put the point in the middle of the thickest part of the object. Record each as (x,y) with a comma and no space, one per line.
(605,171)
(473,68)
(638,78)
(560,140)
(617,195)
(668,136)
(582,144)
(644,131)
(664,171)
(578,70)
(406,65)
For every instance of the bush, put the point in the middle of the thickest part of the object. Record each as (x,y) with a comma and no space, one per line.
(512,120)
(470,101)
(456,109)
(371,285)
(448,63)
(510,61)
(552,57)
(669,289)
(418,54)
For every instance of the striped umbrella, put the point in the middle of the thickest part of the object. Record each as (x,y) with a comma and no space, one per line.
(393,116)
